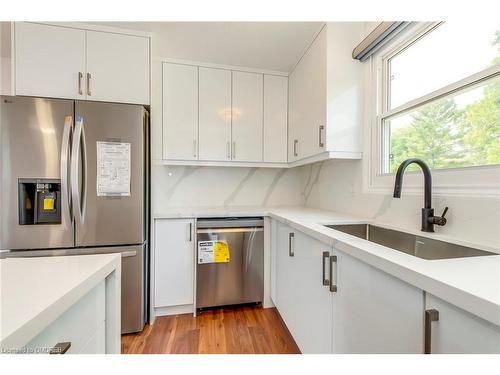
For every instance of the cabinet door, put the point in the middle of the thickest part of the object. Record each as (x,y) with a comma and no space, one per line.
(308,101)
(247,122)
(50,61)
(312,329)
(174,262)
(82,323)
(459,332)
(180,112)
(285,274)
(215,114)
(374,312)
(117,68)
(273,234)
(275,118)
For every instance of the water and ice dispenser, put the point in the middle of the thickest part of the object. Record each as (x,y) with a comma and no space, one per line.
(39,201)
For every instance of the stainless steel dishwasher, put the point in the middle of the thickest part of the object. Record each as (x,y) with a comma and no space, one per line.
(238,279)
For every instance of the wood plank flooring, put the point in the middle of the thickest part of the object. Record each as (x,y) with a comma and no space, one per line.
(228,330)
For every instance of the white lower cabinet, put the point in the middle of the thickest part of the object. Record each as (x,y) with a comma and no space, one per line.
(369,311)
(312,299)
(451,330)
(174,262)
(374,312)
(82,326)
(332,302)
(302,300)
(285,271)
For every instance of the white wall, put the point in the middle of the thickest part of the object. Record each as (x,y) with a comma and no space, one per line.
(177,186)
(337,185)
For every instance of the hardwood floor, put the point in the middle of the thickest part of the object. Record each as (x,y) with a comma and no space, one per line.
(228,330)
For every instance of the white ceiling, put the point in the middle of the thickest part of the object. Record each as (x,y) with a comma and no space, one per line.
(263,45)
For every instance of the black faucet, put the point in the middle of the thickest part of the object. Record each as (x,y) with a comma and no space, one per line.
(428,218)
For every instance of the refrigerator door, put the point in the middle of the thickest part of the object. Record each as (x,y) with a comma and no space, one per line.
(132,282)
(34,147)
(108,220)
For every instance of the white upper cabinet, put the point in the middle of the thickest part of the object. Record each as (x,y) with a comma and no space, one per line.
(326,97)
(49,61)
(180,112)
(308,101)
(117,68)
(65,62)
(275,118)
(247,115)
(215,114)
(218,116)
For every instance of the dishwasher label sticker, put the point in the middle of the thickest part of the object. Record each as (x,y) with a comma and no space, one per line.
(213,252)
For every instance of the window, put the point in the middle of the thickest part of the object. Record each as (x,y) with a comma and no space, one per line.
(441,98)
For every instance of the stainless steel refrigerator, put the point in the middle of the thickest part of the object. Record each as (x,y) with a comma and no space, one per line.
(57,194)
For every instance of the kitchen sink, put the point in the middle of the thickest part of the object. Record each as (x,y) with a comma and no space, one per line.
(421,247)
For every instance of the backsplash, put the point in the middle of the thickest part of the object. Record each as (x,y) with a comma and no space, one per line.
(193,186)
(337,185)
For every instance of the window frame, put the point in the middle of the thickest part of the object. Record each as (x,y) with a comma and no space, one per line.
(464,181)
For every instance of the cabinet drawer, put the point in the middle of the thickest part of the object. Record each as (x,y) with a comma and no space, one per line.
(78,325)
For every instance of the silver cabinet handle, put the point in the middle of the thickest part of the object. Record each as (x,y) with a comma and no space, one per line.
(228,150)
(78,146)
(326,255)
(89,77)
(234,150)
(295,147)
(431,315)
(291,237)
(60,348)
(80,76)
(321,143)
(65,157)
(190,229)
(333,287)
(194,147)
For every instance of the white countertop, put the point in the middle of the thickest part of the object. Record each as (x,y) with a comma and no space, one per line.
(36,291)
(472,284)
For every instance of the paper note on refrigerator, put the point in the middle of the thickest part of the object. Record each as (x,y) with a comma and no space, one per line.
(113,169)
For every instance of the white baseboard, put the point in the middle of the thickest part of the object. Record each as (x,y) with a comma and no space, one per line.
(174,310)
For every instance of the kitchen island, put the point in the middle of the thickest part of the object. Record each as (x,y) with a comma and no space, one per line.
(61,304)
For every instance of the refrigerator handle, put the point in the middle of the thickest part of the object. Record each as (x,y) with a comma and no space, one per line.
(65,154)
(79,146)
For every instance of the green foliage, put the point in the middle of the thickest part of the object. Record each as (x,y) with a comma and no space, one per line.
(448,137)
(431,136)
(481,127)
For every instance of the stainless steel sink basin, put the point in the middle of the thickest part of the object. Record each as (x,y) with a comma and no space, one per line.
(421,247)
